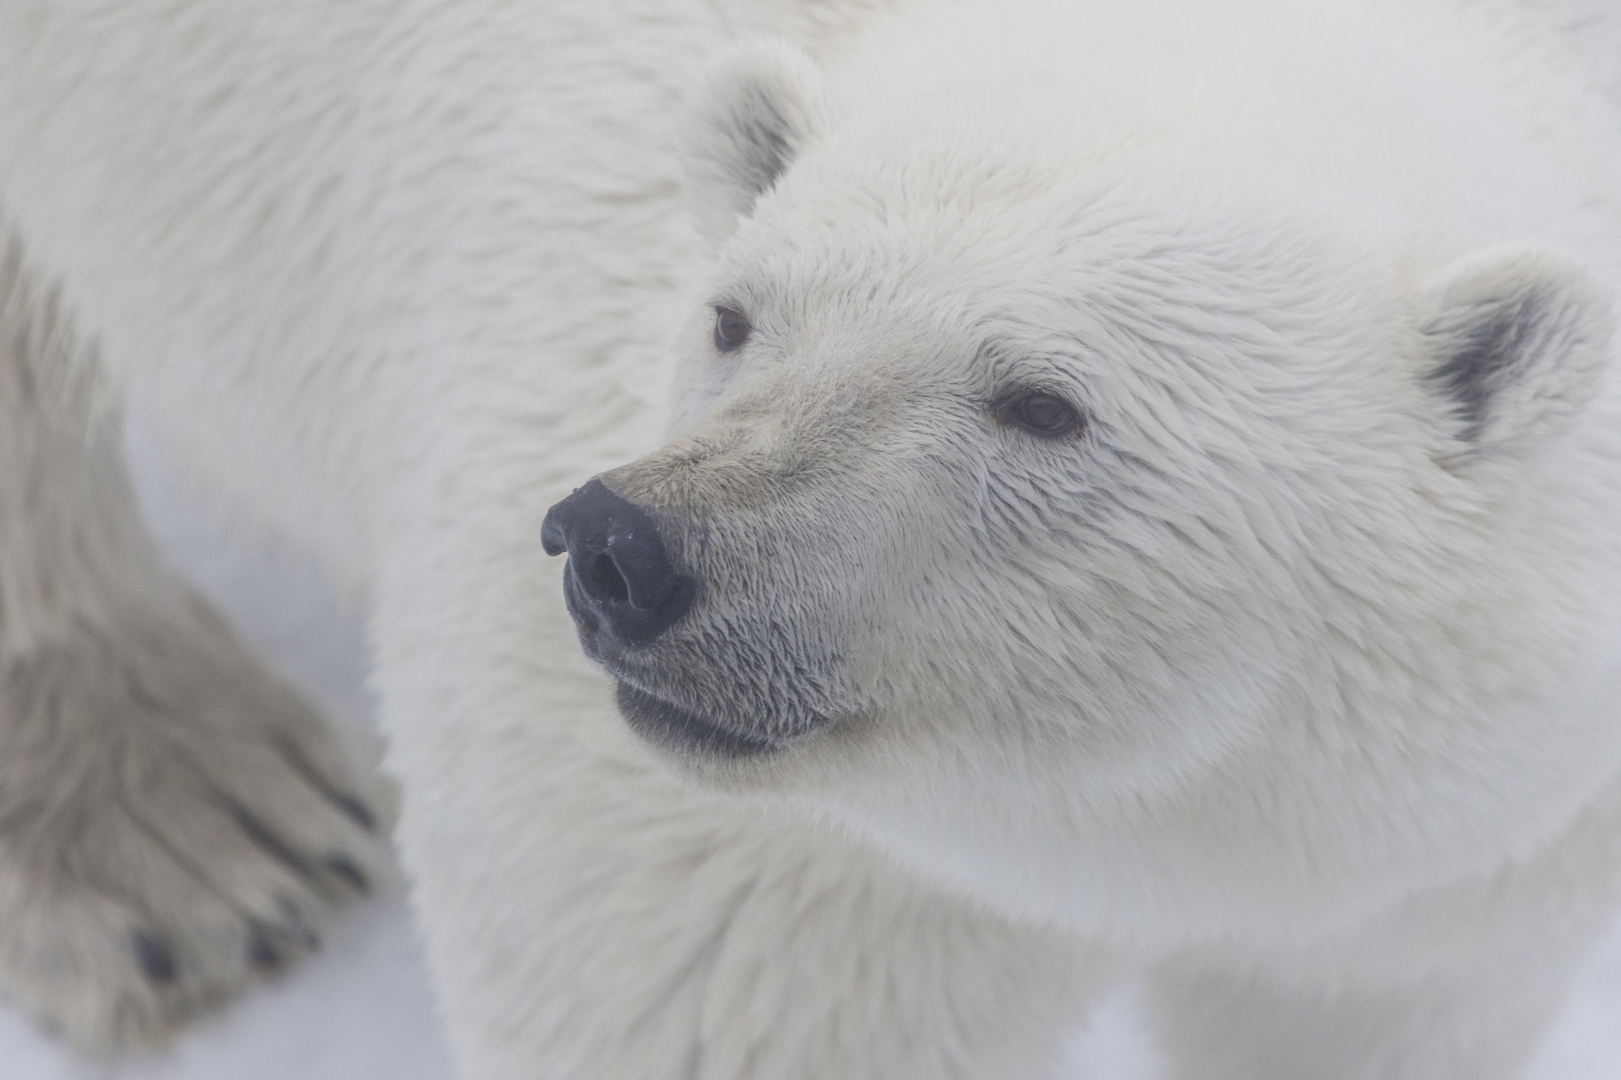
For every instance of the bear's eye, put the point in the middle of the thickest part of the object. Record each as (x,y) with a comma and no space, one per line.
(731,329)
(1042,413)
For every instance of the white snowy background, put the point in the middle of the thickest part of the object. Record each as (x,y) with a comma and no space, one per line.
(363,1008)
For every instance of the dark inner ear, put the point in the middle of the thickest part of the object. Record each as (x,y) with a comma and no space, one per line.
(756,111)
(1516,340)
(760,131)
(1480,350)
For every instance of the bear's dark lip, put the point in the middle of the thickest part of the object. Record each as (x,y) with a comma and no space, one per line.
(668,725)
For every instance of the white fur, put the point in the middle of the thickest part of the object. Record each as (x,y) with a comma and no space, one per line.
(1290,681)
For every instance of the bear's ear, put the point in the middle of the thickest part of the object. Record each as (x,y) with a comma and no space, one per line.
(1516,342)
(756,110)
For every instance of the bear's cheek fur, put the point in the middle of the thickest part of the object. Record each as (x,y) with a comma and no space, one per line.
(844,598)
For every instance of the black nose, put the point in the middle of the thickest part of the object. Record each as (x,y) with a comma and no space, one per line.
(619,574)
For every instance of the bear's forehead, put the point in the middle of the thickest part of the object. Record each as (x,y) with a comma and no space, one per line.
(1101,267)
(886,218)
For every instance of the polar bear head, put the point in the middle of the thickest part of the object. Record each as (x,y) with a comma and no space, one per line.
(1101,527)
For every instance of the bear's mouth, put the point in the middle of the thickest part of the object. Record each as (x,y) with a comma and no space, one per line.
(671,727)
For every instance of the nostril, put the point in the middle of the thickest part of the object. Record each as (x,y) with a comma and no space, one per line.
(607,578)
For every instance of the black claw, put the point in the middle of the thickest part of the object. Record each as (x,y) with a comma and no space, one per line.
(356,809)
(156,958)
(261,953)
(345,867)
(260,834)
(297,927)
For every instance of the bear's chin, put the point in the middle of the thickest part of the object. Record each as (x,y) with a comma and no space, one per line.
(677,730)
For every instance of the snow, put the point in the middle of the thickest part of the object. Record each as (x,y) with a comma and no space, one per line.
(363,1008)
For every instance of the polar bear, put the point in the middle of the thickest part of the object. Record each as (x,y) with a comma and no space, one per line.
(1111,488)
